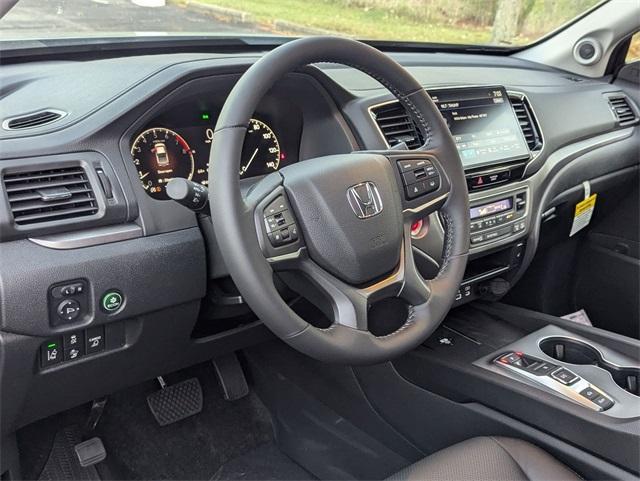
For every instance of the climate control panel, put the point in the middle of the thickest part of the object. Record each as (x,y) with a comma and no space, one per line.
(498,217)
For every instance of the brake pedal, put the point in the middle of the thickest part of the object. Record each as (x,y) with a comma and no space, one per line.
(176,402)
(231,376)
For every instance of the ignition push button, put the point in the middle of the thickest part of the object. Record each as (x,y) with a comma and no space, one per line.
(111,301)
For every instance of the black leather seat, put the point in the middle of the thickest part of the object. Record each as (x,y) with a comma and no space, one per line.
(488,459)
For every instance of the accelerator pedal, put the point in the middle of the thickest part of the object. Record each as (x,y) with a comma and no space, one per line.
(177,402)
(231,376)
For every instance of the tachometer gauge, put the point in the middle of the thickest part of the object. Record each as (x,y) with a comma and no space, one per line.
(261,150)
(160,155)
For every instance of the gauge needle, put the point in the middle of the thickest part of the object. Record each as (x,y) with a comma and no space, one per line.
(144,175)
(246,167)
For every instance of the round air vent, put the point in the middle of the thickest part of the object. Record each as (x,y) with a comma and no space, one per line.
(587,51)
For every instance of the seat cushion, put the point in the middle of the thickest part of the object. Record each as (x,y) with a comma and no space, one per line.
(488,459)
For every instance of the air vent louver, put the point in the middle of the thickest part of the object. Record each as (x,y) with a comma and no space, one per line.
(527,122)
(397,126)
(622,110)
(49,195)
(37,119)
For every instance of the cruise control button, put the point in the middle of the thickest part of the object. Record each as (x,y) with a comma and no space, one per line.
(69,309)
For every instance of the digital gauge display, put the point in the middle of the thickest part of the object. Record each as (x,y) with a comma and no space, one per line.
(160,154)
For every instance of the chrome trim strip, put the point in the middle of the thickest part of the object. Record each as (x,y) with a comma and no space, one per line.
(5,122)
(486,275)
(579,341)
(89,237)
(571,392)
(534,153)
(422,207)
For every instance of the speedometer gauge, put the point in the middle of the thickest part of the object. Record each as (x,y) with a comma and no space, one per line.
(160,155)
(261,150)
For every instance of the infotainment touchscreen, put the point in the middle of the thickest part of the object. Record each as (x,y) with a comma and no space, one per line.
(483,124)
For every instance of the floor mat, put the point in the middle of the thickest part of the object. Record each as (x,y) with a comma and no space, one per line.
(194,448)
(264,463)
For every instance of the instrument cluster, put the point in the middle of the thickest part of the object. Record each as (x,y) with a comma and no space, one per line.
(178,143)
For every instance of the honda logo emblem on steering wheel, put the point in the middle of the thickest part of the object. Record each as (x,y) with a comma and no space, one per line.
(364,200)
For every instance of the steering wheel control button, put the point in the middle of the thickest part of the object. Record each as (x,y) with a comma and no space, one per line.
(419,177)
(280,224)
(564,376)
(68,310)
(111,301)
(51,352)
(95,339)
(278,205)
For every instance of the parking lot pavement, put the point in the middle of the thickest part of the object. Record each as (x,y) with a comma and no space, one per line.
(60,18)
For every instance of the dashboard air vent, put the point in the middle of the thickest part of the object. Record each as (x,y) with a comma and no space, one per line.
(396,125)
(30,121)
(622,110)
(49,195)
(527,122)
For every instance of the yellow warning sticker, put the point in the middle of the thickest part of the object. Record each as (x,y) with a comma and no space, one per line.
(583,214)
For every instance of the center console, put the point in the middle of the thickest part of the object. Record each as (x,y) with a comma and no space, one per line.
(573,382)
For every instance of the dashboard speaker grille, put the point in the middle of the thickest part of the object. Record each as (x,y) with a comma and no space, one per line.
(622,110)
(527,122)
(37,119)
(49,195)
(396,125)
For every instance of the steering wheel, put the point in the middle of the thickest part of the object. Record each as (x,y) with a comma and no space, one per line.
(341,221)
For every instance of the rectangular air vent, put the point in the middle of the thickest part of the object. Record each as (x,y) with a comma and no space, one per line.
(36,119)
(49,195)
(396,125)
(622,110)
(527,122)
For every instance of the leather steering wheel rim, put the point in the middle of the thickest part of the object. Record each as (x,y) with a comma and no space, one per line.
(237,231)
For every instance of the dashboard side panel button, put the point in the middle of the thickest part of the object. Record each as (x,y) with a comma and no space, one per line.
(95,339)
(51,352)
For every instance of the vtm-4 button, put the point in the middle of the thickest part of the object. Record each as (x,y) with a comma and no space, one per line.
(557,378)
(279,222)
(419,177)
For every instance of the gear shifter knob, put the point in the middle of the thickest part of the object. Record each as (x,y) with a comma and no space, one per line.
(192,195)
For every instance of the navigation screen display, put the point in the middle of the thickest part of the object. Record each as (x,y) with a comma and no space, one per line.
(483,124)
(489,209)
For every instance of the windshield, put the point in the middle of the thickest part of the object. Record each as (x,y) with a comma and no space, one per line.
(474,22)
